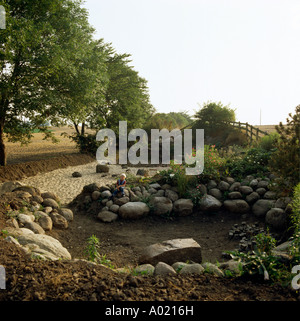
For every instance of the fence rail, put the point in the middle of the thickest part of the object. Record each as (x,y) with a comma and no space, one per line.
(251,131)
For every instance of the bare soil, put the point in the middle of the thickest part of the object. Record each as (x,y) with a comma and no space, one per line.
(122,242)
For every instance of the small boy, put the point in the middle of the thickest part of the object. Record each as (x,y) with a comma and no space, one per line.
(120,185)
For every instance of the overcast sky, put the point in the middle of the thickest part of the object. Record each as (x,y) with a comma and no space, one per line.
(245,53)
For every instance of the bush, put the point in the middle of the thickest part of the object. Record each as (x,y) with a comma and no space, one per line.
(255,161)
(269,142)
(285,161)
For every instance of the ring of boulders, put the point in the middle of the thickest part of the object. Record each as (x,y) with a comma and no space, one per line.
(33,213)
(252,195)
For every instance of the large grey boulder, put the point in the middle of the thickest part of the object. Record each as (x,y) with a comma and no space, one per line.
(246,190)
(171,251)
(102,168)
(133,210)
(183,207)
(46,243)
(261,207)
(209,203)
(276,218)
(237,206)
(223,186)
(161,205)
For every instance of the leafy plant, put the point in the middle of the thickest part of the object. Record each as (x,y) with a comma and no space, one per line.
(285,161)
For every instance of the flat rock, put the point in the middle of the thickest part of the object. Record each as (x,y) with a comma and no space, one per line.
(172,251)
(107,216)
(133,210)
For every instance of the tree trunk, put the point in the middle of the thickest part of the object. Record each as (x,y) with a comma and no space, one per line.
(2,146)
(82,129)
(76,128)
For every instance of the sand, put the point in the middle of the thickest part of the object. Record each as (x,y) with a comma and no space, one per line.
(63,184)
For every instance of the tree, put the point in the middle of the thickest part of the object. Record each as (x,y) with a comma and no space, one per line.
(213,115)
(285,161)
(36,48)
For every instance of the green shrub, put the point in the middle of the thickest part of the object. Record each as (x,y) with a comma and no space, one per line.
(255,161)
(269,142)
(285,161)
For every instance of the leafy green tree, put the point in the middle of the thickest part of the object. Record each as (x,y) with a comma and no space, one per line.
(212,116)
(38,46)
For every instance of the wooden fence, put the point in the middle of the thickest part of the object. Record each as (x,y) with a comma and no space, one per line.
(252,132)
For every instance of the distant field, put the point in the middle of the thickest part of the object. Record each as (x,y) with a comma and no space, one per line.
(41,149)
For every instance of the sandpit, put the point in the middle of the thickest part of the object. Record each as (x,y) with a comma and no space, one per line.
(62,183)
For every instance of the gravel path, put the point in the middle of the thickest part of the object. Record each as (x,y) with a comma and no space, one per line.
(67,187)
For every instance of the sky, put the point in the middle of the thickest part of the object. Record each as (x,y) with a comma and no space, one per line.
(242,53)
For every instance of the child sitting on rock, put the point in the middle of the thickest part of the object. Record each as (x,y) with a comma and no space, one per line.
(121,182)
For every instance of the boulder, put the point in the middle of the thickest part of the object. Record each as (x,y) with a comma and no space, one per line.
(263,184)
(212,184)
(66,213)
(90,188)
(209,203)
(270,195)
(162,268)
(282,202)
(121,201)
(155,185)
(237,206)
(161,205)
(246,190)
(261,207)
(34,227)
(50,202)
(194,268)
(144,269)
(114,208)
(7,187)
(142,172)
(223,186)
(133,210)
(235,187)
(24,218)
(252,198)
(29,189)
(234,195)
(212,268)
(37,198)
(59,221)
(105,194)
(50,195)
(215,192)
(45,221)
(253,183)
(183,207)
(96,195)
(76,174)
(46,243)
(276,218)
(171,251)
(173,196)
(107,216)
(261,191)
(102,168)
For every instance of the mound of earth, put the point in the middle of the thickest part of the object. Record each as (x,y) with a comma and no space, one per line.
(19,171)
